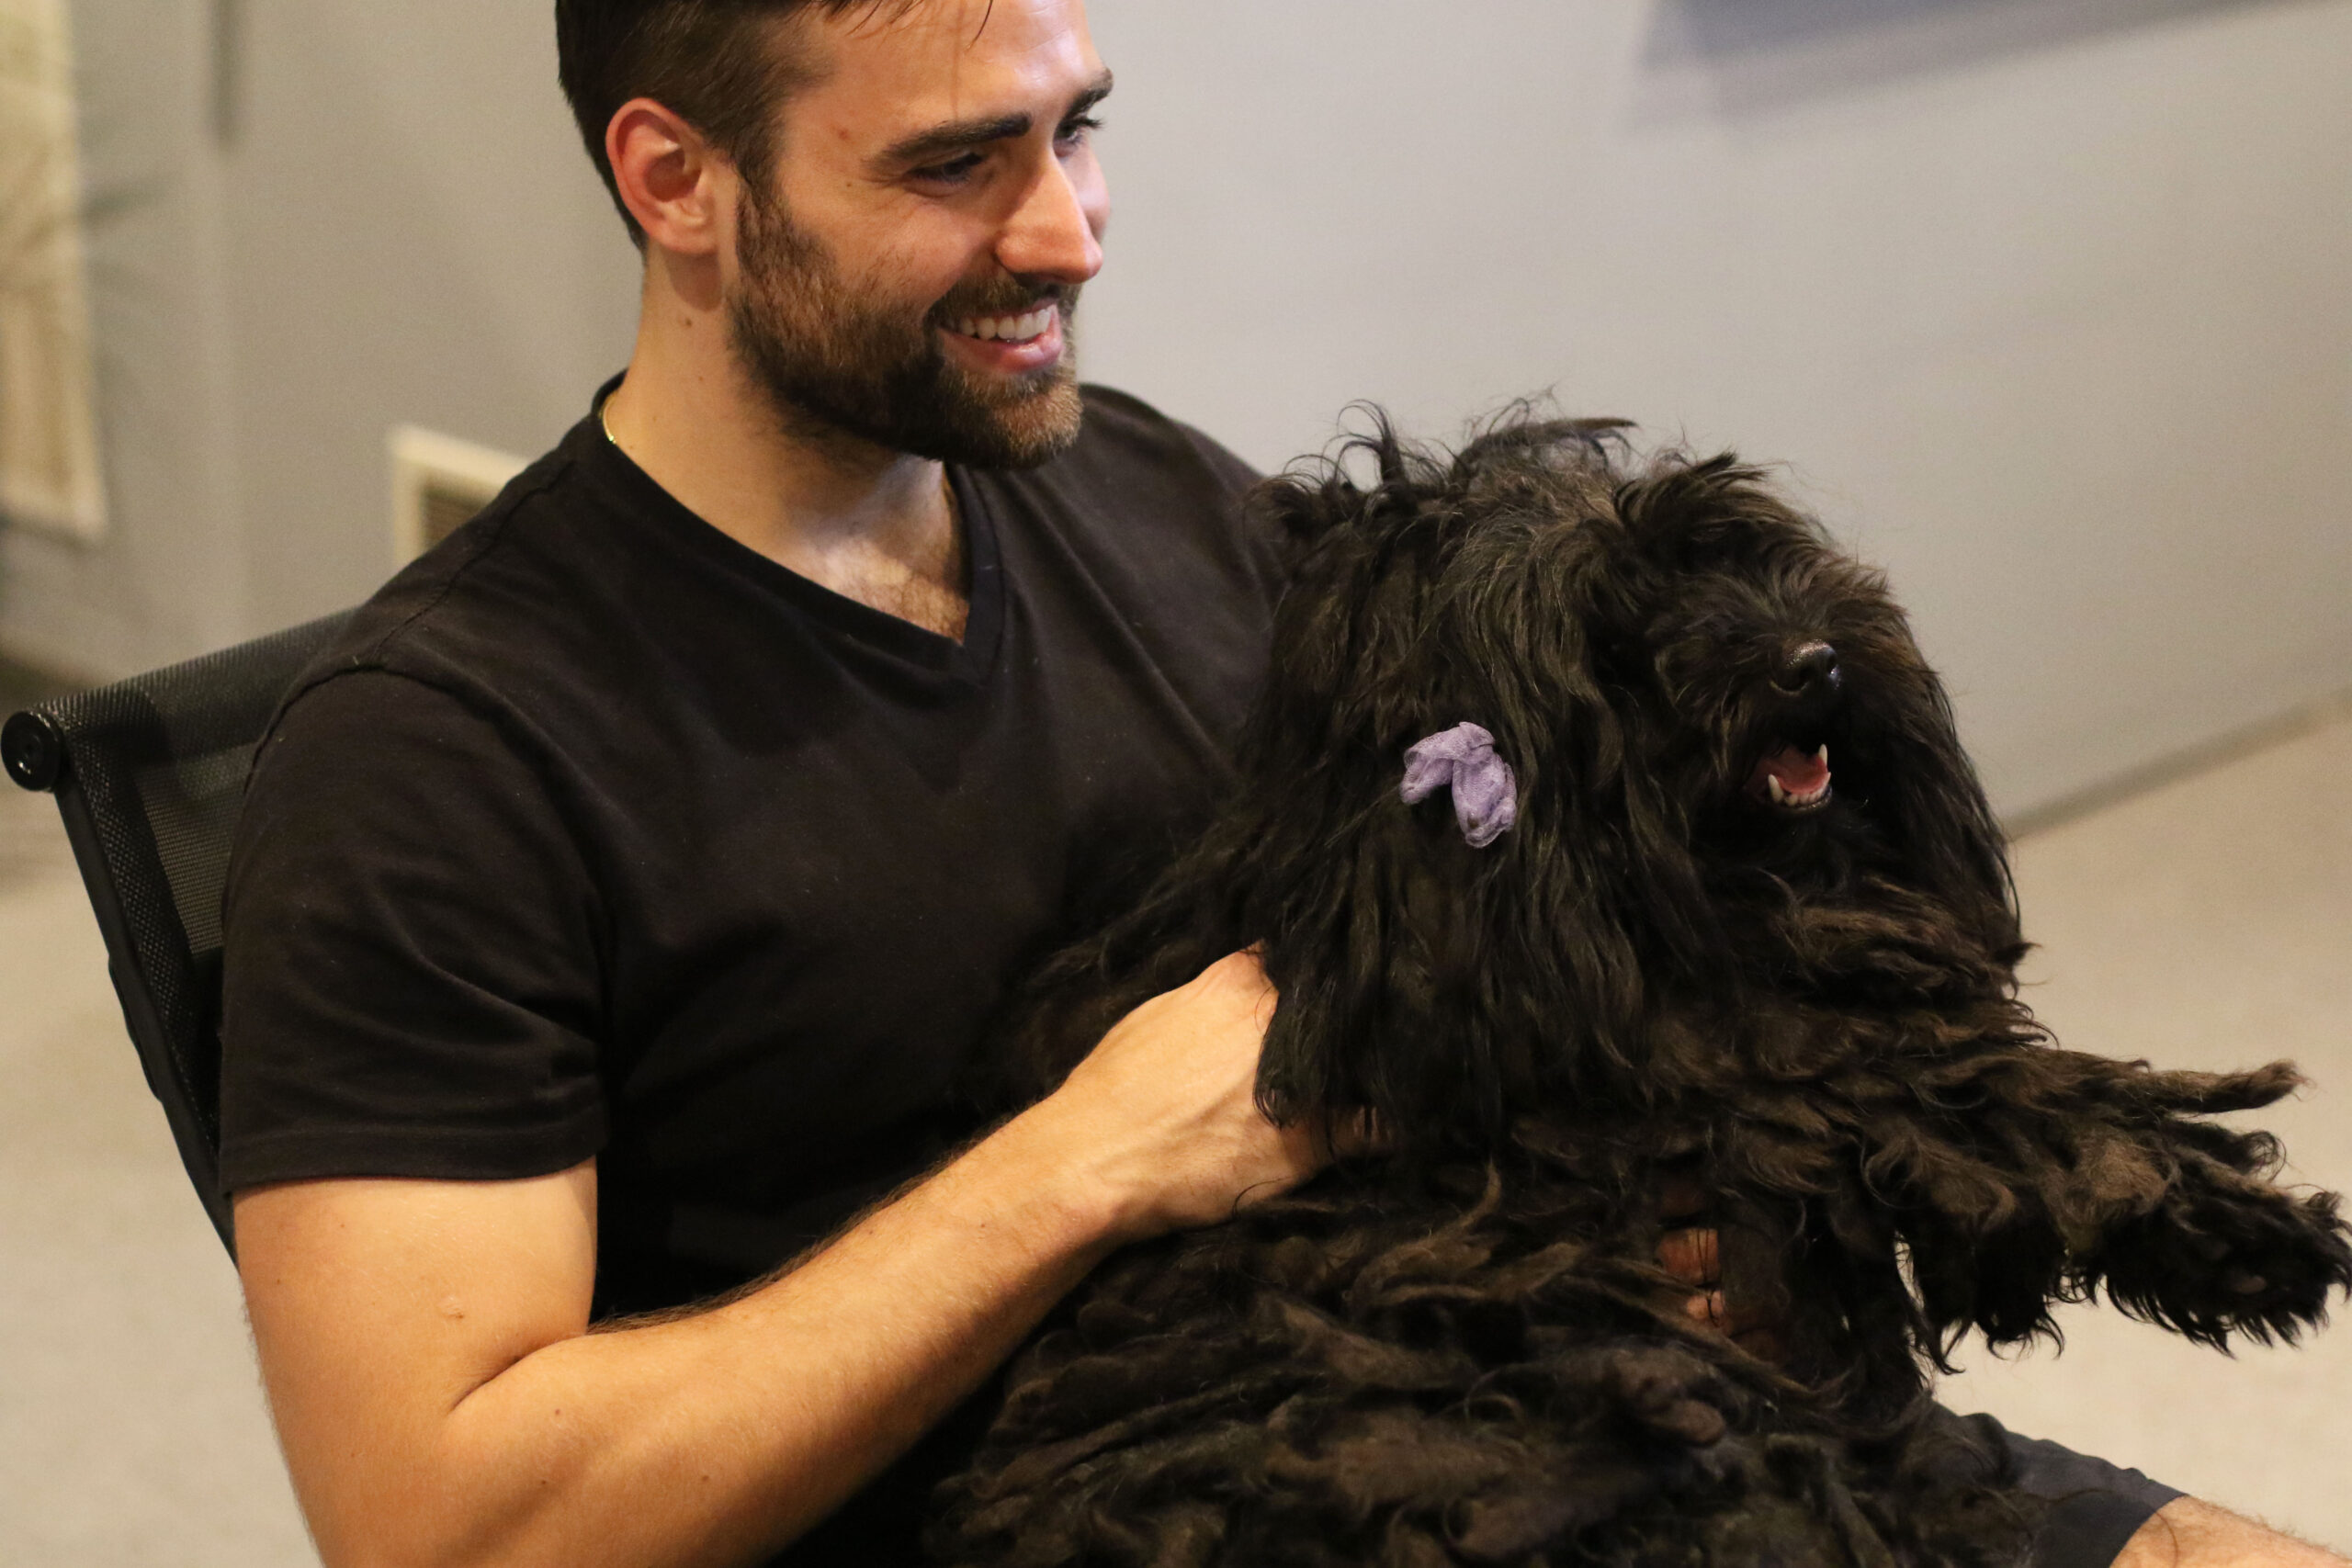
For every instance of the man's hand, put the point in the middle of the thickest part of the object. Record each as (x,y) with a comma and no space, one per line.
(1160,1123)
(1693,1254)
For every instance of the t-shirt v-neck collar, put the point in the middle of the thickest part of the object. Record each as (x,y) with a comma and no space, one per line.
(970,660)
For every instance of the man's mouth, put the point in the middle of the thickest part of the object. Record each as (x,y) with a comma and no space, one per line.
(1027,327)
(1792,779)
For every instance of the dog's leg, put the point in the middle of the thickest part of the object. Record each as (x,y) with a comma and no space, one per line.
(2197,1235)
(2032,1175)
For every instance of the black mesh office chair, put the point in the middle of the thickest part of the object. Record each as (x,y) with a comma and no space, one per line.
(149,773)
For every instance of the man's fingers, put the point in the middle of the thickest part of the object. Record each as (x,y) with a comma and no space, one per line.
(1693,1256)
(1714,1309)
(1707,1308)
(1759,1337)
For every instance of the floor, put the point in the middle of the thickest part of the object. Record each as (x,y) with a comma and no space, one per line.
(2208,922)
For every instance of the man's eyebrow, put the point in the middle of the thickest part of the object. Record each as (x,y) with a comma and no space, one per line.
(956,135)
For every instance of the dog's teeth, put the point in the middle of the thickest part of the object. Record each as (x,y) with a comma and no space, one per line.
(1779,790)
(1822,756)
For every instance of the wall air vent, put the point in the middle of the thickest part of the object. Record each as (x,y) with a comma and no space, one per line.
(439,483)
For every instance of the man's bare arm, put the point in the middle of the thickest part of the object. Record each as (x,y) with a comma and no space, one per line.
(441,1401)
(2186,1533)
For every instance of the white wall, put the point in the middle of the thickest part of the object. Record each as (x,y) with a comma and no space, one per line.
(2047,302)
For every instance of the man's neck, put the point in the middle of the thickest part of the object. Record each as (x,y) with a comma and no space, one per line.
(874,525)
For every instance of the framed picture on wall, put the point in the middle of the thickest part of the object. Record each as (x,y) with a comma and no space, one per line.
(49,440)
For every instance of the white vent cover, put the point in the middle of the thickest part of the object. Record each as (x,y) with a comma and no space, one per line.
(439,482)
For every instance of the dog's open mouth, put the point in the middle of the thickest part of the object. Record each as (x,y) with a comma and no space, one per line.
(1793,779)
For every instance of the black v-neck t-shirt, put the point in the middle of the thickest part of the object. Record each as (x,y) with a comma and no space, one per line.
(599,834)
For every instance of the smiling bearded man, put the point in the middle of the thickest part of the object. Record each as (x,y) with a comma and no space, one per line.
(616,903)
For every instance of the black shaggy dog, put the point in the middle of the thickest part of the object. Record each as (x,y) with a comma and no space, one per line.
(1642,939)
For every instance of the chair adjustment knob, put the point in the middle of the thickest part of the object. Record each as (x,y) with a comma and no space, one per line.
(34,750)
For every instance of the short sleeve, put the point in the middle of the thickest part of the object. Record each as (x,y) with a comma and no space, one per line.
(412,982)
(1237,476)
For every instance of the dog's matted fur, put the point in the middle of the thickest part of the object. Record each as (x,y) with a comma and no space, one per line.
(1692,958)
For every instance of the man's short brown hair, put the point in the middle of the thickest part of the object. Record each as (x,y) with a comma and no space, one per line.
(718,64)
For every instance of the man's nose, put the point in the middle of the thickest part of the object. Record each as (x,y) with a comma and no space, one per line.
(1055,232)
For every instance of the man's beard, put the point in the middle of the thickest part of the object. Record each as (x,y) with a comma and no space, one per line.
(835,361)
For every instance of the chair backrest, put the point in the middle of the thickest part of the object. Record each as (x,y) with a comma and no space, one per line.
(149,775)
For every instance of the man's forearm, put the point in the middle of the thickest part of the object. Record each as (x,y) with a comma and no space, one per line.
(716,1436)
(730,1432)
(442,1402)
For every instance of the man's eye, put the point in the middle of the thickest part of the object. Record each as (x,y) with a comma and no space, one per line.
(952,172)
(1076,130)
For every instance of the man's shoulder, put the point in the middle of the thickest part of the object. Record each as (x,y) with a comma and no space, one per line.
(1137,480)
(1151,513)
(513,567)
(1121,430)
(523,589)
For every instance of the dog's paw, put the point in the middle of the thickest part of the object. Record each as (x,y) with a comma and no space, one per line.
(2231,1257)
(1658,1390)
(1666,1391)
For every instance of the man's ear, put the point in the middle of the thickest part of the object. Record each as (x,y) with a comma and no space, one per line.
(678,186)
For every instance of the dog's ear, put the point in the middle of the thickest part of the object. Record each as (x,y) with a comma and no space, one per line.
(1370,943)
(1927,796)
(1441,986)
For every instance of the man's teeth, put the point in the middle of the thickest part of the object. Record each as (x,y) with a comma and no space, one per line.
(1008,329)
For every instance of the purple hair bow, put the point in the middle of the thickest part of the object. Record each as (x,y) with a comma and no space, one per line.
(1485,795)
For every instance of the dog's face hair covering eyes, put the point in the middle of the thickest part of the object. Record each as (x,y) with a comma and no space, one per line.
(1746,923)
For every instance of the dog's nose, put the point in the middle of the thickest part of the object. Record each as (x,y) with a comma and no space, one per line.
(1810,672)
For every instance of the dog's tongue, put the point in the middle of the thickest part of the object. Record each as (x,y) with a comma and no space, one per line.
(1800,773)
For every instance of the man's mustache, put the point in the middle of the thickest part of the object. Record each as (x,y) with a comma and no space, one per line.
(1007,296)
